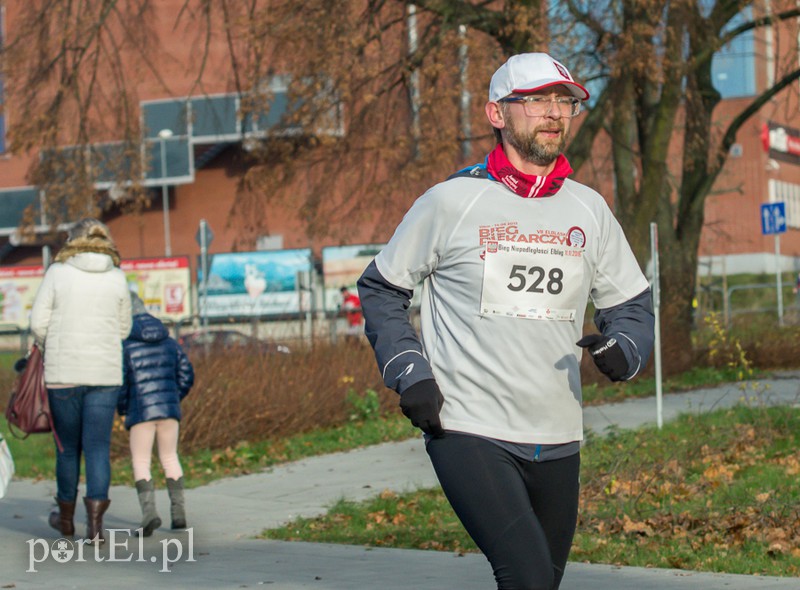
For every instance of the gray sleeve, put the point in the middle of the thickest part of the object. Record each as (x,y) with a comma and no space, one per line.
(632,324)
(388,328)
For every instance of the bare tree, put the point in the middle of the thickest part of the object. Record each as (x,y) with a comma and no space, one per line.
(651,60)
(656,58)
(67,87)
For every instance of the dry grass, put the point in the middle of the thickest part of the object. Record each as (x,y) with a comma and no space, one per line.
(248,396)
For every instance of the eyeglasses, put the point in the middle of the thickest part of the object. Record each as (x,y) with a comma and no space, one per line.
(539,106)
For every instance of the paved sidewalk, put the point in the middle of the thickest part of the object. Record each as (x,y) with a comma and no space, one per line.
(220,552)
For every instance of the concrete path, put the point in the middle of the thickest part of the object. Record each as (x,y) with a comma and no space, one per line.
(220,552)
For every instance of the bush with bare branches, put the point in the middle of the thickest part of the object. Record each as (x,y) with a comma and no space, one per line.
(245,395)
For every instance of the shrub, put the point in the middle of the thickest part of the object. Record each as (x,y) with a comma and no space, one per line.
(247,396)
(242,395)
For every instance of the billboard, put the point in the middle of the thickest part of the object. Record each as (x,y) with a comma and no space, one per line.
(18,287)
(254,284)
(164,284)
(341,267)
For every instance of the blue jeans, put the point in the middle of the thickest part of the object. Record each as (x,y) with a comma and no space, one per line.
(83,417)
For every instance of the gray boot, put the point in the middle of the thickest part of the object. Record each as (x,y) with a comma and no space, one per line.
(147,500)
(177,507)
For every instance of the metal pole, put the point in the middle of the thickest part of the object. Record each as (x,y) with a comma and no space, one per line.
(162,135)
(463,65)
(726,303)
(656,293)
(310,311)
(204,266)
(778,278)
(46,256)
(414,95)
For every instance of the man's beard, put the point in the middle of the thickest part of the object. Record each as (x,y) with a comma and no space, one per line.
(530,148)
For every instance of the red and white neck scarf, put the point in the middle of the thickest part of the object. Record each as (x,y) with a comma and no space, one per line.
(527,186)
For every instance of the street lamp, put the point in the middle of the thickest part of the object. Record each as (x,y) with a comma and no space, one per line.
(163,135)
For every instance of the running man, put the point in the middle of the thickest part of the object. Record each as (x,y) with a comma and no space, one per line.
(508,253)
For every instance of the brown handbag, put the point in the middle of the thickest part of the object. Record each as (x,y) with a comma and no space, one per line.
(28,409)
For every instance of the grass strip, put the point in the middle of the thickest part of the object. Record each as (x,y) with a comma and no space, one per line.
(34,457)
(726,501)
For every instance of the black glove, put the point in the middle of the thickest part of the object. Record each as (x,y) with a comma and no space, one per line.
(607,355)
(421,403)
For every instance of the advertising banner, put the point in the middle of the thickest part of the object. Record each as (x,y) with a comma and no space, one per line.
(341,267)
(254,284)
(18,287)
(164,284)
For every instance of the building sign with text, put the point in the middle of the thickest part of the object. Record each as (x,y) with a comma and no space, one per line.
(781,142)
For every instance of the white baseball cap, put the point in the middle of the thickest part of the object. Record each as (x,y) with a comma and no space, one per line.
(529,72)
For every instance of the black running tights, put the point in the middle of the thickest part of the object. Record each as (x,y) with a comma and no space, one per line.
(521,514)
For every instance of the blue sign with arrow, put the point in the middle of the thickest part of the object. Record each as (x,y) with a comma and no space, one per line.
(773,218)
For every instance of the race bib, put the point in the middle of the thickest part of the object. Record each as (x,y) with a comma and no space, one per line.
(532,281)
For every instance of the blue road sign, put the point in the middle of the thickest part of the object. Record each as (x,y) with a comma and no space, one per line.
(773,218)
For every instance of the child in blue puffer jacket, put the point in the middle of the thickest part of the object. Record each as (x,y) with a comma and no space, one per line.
(157,376)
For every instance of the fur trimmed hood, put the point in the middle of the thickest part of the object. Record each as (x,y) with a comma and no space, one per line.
(88,244)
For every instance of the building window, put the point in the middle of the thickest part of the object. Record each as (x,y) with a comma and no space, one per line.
(733,68)
(789,194)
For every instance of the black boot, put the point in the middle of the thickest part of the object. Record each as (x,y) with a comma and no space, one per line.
(62,519)
(94,519)
(147,500)
(177,507)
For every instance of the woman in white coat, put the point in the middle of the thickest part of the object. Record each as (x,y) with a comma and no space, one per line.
(81,314)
